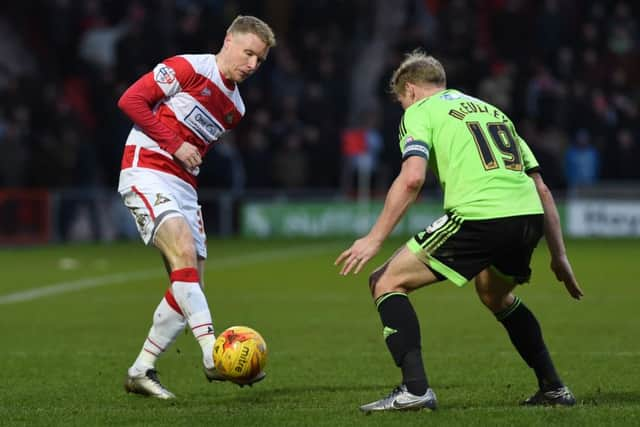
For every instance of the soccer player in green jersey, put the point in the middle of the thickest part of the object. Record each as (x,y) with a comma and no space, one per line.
(497,208)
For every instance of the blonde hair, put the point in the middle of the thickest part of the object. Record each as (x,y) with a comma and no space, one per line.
(251,24)
(417,68)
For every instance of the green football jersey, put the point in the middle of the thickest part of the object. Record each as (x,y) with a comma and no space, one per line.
(474,150)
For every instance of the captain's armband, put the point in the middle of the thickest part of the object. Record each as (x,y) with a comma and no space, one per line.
(415,148)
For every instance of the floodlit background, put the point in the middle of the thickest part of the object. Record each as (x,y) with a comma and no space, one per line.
(305,172)
(320,125)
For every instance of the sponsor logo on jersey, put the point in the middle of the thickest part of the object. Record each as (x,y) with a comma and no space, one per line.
(203,124)
(165,75)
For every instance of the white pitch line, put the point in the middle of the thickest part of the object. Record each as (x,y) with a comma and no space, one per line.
(112,279)
(76,285)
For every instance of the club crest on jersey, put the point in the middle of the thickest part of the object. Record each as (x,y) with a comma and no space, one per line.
(165,75)
(160,199)
(228,118)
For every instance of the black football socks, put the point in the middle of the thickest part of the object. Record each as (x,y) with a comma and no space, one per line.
(402,335)
(524,330)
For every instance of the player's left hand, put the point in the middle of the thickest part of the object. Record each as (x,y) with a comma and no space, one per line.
(358,255)
(189,156)
(564,273)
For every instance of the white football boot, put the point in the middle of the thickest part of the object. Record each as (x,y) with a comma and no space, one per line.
(561,396)
(147,384)
(401,400)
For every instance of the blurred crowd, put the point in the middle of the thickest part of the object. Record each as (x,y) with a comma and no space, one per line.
(318,112)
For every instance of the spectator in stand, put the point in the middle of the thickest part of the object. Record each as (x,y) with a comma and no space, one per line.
(588,51)
(582,161)
(621,162)
(361,146)
(291,164)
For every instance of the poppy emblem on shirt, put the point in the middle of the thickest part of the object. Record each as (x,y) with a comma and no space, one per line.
(165,75)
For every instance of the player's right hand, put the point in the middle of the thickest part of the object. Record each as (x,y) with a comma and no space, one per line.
(564,273)
(189,156)
(357,255)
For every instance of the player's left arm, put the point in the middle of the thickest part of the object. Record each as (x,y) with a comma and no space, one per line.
(560,264)
(529,162)
(553,235)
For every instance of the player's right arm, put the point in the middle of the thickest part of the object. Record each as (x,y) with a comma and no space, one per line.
(553,235)
(404,190)
(138,101)
(402,193)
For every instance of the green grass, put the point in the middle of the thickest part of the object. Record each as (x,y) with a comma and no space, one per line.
(63,356)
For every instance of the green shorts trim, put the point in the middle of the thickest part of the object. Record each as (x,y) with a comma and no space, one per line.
(452,275)
(457,278)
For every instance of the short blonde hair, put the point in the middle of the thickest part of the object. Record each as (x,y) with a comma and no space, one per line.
(417,68)
(251,24)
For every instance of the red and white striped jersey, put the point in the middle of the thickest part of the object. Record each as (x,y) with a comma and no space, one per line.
(184,98)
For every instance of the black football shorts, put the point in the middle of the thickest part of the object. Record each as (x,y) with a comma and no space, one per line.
(460,249)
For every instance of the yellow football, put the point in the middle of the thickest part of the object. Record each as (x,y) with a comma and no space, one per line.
(240,353)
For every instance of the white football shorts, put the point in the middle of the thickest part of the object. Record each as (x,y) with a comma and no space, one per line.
(153,197)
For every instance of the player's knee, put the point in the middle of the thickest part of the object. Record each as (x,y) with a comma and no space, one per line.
(374,278)
(495,302)
(187,253)
(487,299)
(373,281)
(184,251)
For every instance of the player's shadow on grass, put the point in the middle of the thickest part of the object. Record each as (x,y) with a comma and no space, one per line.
(608,397)
(271,395)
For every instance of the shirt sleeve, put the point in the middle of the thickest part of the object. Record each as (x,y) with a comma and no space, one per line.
(138,101)
(172,75)
(414,135)
(529,161)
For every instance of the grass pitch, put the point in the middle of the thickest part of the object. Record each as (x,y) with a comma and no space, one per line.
(73,318)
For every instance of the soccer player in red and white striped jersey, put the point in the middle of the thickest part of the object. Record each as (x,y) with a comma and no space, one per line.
(179,110)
